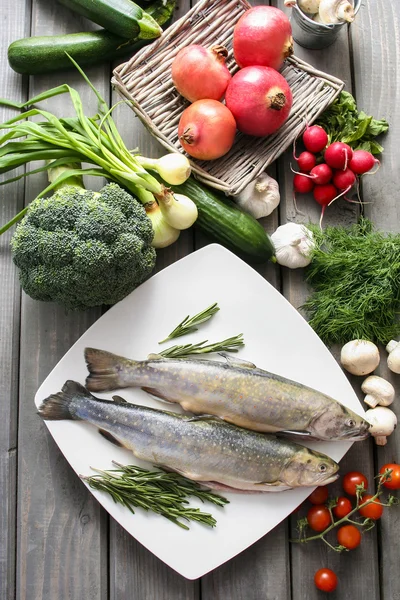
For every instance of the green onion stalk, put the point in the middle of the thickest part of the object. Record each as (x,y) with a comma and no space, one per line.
(96,141)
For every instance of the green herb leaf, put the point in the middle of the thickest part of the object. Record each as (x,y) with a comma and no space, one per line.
(229,345)
(343,122)
(160,491)
(189,324)
(363,304)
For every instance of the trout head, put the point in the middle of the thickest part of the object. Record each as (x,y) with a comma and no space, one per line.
(308,468)
(339,423)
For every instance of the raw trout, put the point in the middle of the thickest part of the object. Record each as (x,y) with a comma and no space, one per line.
(236,391)
(204,449)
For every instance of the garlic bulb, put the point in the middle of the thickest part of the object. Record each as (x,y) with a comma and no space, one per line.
(335,11)
(260,197)
(293,245)
(359,357)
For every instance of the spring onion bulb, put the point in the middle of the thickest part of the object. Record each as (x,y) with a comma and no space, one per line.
(178,210)
(164,234)
(174,168)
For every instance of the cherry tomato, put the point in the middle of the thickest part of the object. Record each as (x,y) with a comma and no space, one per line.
(351,480)
(325,580)
(371,511)
(393,483)
(342,508)
(349,536)
(319,495)
(319,517)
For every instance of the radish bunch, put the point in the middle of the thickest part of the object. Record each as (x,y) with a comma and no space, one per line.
(334,173)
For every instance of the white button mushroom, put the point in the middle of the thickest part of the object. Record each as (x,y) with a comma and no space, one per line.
(378,390)
(393,359)
(359,357)
(383,423)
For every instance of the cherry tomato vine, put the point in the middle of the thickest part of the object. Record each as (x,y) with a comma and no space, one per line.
(368,506)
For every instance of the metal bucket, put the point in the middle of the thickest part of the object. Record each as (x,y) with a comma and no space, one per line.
(310,34)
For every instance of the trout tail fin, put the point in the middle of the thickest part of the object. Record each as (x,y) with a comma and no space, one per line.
(61,406)
(104,370)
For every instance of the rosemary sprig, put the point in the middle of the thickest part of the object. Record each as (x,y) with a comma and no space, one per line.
(229,345)
(366,524)
(189,324)
(160,491)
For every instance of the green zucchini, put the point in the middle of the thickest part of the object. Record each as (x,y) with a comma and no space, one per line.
(44,54)
(226,223)
(122,17)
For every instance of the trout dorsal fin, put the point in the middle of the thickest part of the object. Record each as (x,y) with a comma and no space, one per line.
(205,417)
(237,362)
(119,400)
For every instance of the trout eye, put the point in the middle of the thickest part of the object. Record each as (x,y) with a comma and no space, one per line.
(350,423)
(322,467)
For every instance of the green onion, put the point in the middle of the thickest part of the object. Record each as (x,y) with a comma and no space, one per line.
(94,140)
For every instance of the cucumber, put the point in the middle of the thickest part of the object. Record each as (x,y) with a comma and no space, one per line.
(36,55)
(226,223)
(122,17)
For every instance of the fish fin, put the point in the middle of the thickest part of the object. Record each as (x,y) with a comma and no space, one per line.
(104,368)
(154,356)
(119,400)
(205,417)
(108,436)
(237,362)
(298,434)
(157,395)
(57,407)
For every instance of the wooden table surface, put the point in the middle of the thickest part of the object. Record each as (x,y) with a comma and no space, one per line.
(56,542)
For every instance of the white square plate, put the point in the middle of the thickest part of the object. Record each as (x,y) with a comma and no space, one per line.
(277,339)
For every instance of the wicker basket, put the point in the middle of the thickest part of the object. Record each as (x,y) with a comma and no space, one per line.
(145,81)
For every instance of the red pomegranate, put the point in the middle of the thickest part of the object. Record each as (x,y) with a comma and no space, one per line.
(262,36)
(260,99)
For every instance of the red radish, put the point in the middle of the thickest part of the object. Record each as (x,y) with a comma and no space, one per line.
(343,180)
(306,161)
(199,72)
(338,155)
(320,174)
(362,162)
(262,36)
(324,195)
(207,129)
(260,100)
(315,138)
(302,184)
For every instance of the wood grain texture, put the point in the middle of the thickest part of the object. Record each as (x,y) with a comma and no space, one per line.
(376,60)
(62,532)
(14,25)
(134,571)
(306,560)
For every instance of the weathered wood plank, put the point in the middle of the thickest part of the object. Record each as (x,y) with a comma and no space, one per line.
(135,571)
(15,25)
(306,560)
(376,62)
(62,531)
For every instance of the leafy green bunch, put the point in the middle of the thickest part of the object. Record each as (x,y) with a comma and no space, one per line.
(344,123)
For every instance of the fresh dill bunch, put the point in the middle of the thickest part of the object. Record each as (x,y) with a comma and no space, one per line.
(355,275)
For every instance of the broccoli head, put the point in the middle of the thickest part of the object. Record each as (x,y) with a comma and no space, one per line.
(82,248)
